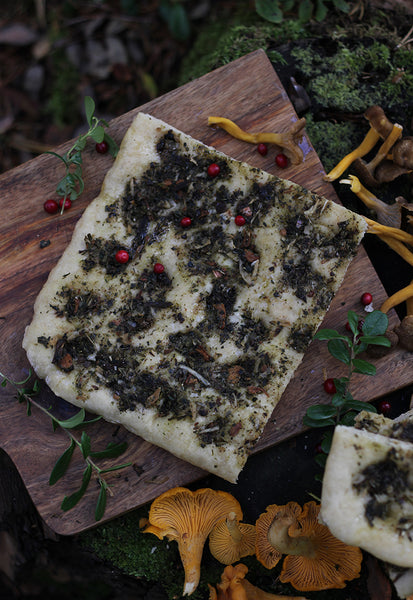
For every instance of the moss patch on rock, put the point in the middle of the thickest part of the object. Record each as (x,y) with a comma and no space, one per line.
(230,42)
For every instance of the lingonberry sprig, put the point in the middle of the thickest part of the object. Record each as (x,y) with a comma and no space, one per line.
(346,348)
(84,444)
(72,185)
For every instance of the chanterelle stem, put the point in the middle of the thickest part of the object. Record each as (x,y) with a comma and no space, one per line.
(280,539)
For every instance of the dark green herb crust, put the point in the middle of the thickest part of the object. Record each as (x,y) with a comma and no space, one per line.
(107,344)
(389,487)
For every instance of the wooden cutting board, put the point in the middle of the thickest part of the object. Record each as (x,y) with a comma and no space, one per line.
(249,92)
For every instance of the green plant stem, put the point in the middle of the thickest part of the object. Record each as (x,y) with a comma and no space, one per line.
(66,426)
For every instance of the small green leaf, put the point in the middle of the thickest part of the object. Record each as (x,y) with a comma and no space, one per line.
(320,10)
(339,349)
(115,468)
(328,334)
(353,321)
(375,323)
(98,134)
(79,146)
(74,421)
(71,501)
(62,464)
(308,422)
(321,411)
(101,503)
(113,148)
(90,109)
(364,367)
(327,441)
(269,10)
(62,158)
(338,400)
(321,459)
(305,10)
(85,444)
(77,159)
(355,405)
(112,450)
(342,5)
(348,418)
(376,340)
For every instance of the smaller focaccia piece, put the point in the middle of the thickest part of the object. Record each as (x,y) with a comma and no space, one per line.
(367,493)
(190,342)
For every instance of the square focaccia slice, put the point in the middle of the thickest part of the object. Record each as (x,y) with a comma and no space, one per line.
(189,336)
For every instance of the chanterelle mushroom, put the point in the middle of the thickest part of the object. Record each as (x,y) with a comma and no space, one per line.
(316,560)
(188,517)
(387,214)
(287,140)
(404,331)
(234,586)
(230,540)
(380,128)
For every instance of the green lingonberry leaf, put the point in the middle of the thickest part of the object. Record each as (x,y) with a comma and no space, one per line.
(320,412)
(364,367)
(321,459)
(375,340)
(328,334)
(353,321)
(375,323)
(340,350)
(89,109)
(98,134)
(269,10)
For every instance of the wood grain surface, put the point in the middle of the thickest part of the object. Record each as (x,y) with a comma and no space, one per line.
(249,92)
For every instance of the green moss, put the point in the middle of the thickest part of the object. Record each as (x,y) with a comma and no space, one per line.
(232,42)
(333,140)
(351,77)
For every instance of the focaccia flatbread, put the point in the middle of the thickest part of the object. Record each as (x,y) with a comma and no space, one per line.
(195,358)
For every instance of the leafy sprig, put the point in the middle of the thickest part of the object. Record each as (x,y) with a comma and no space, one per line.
(84,444)
(72,184)
(347,348)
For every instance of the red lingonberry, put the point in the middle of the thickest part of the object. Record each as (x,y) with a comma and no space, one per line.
(262,149)
(366,299)
(213,170)
(122,256)
(281,160)
(66,202)
(186,222)
(239,220)
(384,407)
(102,147)
(319,448)
(158,268)
(51,206)
(330,386)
